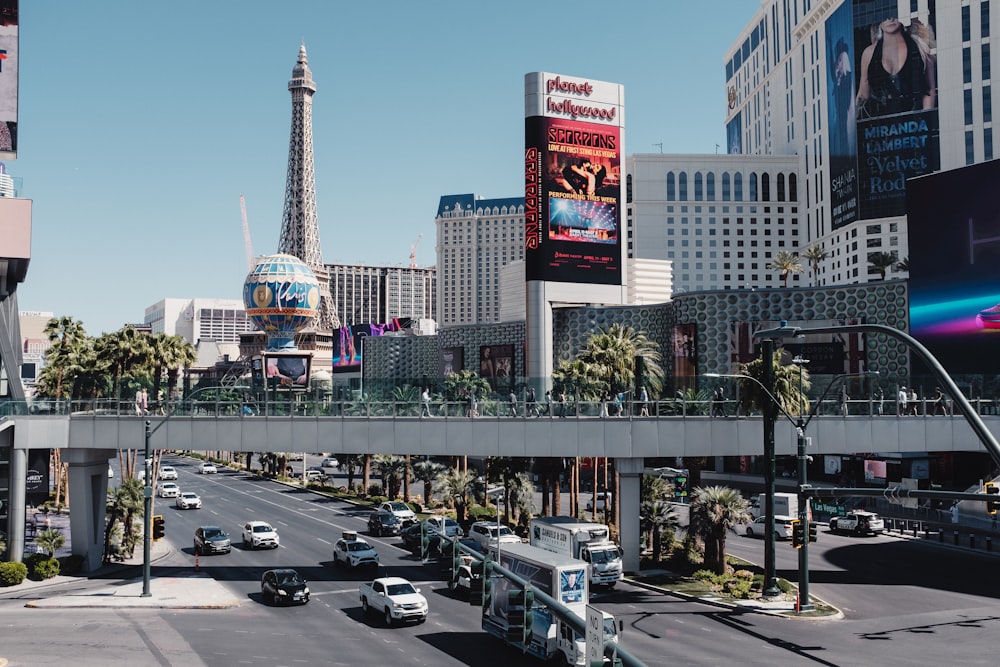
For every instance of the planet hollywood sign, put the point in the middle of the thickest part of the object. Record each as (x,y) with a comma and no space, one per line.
(568,107)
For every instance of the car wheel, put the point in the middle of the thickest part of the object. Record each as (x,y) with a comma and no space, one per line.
(749,532)
(364,605)
(858,531)
(388,619)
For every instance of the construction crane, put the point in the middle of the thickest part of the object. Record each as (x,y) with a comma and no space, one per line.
(246,233)
(413,251)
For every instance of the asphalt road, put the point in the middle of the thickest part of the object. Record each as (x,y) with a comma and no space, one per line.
(905,602)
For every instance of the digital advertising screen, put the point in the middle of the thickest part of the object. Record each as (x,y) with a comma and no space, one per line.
(452,360)
(953,222)
(347,342)
(896,107)
(573,181)
(496,364)
(684,346)
(9,66)
(287,370)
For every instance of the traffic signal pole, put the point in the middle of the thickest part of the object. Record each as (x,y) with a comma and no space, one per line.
(803,460)
(147,518)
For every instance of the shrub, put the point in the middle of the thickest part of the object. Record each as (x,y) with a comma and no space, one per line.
(480,513)
(737,588)
(46,569)
(31,562)
(12,574)
(374,489)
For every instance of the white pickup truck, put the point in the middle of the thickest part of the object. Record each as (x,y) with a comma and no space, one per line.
(395,598)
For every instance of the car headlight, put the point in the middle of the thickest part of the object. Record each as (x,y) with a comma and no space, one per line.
(305,590)
(282,592)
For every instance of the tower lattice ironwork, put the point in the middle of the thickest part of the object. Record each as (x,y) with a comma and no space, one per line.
(299,225)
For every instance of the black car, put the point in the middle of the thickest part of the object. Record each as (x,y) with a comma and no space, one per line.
(411,540)
(211,540)
(446,548)
(284,586)
(383,522)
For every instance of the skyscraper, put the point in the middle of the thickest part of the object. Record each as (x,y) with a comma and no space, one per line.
(299,226)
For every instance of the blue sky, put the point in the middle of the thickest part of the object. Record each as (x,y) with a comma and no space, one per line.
(141,124)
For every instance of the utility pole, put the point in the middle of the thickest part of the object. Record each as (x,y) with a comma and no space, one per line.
(770,409)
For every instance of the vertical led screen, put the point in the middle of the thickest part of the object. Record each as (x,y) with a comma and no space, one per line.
(9,65)
(684,345)
(842,117)
(573,180)
(452,360)
(953,219)
(897,137)
(496,364)
(734,136)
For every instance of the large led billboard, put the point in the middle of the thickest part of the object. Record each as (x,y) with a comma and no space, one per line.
(953,220)
(287,370)
(882,107)
(347,342)
(8,78)
(573,179)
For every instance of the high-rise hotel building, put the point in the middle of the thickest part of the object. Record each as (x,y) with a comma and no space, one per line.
(377,294)
(864,95)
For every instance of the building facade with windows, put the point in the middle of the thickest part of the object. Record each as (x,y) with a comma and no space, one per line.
(816,79)
(199,319)
(368,294)
(475,238)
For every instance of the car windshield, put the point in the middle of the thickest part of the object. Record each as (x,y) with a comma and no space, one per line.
(604,556)
(263,529)
(189,496)
(400,589)
(399,507)
(358,546)
(288,578)
(450,523)
(388,517)
(504,530)
(214,532)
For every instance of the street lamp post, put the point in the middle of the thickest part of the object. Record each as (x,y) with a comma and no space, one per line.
(771,589)
(800,424)
(147,492)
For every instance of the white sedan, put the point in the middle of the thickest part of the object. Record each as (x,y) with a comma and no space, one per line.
(169,490)
(208,468)
(188,501)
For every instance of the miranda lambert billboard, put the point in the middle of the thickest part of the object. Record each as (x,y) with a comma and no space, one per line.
(573,179)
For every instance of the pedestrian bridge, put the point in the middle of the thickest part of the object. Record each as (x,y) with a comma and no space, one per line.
(90,438)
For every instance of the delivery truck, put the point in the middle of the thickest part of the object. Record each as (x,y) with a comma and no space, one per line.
(587,541)
(539,632)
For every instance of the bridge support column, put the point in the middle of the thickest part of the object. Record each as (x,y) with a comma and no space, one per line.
(630,474)
(88,491)
(16,508)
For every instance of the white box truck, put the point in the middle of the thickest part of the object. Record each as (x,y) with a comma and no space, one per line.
(590,542)
(560,577)
(785,504)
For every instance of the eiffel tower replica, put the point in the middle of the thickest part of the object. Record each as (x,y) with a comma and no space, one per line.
(299,225)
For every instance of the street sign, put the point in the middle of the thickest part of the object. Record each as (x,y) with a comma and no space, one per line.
(595,637)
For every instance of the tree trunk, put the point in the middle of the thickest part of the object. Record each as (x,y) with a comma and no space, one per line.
(366,474)
(545,495)
(556,493)
(406,480)
(657,544)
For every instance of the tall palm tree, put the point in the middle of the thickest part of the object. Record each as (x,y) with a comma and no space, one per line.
(814,254)
(430,473)
(125,502)
(390,468)
(457,485)
(615,349)
(883,261)
(715,510)
(582,379)
(656,516)
(350,463)
(69,339)
(786,263)
(505,469)
(169,353)
(123,352)
(786,386)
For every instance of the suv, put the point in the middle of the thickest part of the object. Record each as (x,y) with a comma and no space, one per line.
(400,509)
(211,540)
(354,551)
(383,523)
(485,533)
(782,527)
(445,525)
(858,522)
(259,534)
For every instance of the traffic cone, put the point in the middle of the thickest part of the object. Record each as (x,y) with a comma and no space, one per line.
(195,561)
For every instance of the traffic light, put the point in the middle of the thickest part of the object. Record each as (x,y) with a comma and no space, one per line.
(159,528)
(257,376)
(991,489)
(529,603)
(425,541)
(515,615)
(812,531)
(797,534)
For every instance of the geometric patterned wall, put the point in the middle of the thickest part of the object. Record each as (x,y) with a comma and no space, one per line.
(884,302)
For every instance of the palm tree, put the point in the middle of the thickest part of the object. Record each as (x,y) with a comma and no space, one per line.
(123,353)
(457,485)
(814,254)
(902,265)
(615,350)
(581,379)
(68,338)
(883,261)
(786,386)
(505,469)
(430,473)
(715,510)
(350,463)
(170,353)
(652,488)
(655,517)
(50,540)
(390,468)
(786,263)
(125,501)
(549,470)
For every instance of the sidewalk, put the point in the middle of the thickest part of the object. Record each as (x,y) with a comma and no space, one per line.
(185,590)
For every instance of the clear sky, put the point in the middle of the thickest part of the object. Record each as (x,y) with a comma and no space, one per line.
(142,123)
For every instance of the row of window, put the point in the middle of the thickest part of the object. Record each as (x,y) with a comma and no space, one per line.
(732,187)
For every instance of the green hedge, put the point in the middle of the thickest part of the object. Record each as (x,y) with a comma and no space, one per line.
(12,574)
(40,566)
